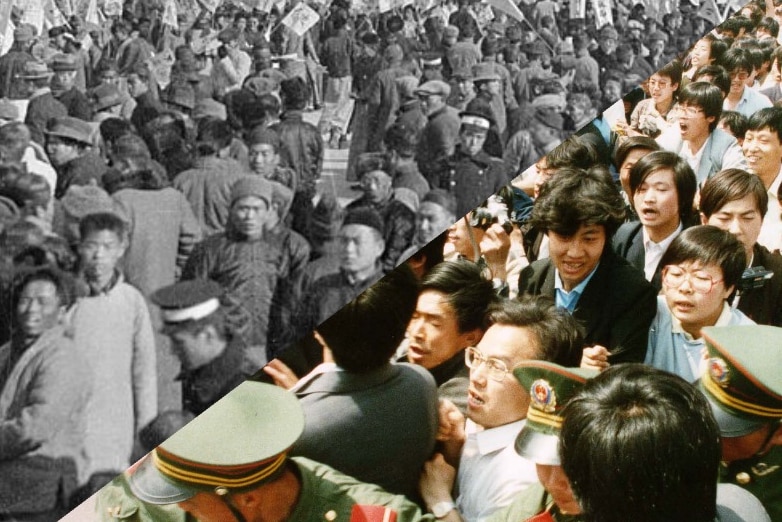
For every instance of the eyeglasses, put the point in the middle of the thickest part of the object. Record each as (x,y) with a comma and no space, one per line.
(497,369)
(690,112)
(700,281)
(661,85)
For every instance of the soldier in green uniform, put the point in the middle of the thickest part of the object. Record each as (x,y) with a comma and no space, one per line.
(550,388)
(744,386)
(231,464)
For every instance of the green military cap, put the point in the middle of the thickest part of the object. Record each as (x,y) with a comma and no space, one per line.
(238,444)
(743,382)
(550,387)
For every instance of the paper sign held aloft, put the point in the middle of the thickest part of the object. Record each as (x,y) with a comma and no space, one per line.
(301,18)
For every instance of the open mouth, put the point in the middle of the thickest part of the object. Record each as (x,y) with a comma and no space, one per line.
(473,399)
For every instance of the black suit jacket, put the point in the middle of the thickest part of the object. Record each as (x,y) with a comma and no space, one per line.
(764,305)
(615,310)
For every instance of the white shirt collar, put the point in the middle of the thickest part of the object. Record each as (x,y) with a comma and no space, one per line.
(494,439)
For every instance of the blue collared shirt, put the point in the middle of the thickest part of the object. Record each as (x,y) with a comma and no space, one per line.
(569,300)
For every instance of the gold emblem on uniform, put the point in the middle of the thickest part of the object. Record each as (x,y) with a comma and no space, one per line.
(542,396)
(330,515)
(221,491)
(718,370)
(743,478)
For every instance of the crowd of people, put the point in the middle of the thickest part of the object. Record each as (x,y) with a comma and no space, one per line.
(165,235)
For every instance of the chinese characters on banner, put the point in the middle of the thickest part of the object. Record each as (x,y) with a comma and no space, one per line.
(301,18)
(33,14)
(603,13)
(170,15)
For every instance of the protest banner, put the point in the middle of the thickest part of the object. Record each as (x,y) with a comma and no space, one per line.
(603,15)
(301,18)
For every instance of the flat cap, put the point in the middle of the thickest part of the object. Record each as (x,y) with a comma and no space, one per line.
(434,87)
(188,300)
(64,62)
(70,128)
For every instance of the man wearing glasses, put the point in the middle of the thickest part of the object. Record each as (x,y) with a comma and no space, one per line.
(702,267)
(697,139)
(490,472)
(741,98)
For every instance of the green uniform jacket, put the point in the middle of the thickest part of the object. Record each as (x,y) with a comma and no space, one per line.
(761,476)
(327,494)
(117,502)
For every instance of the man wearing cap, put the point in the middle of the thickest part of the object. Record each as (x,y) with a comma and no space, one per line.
(745,391)
(551,387)
(462,89)
(68,142)
(209,470)
(65,69)
(488,85)
(107,102)
(361,237)
(13,63)
(214,360)
(248,261)
(398,219)
(438,139)
(470,173)
(490,471)
(490,47)
(607,41)
(43,105)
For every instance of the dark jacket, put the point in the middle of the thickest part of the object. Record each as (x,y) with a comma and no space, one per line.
(301,148)
(40,110)
(764,305)
(11,64)
(337,53)
(472,178)
(354,423)
(399,223)
(84,170)
(204,386)
(77,104)
(438,140)
(629,243)
(615,310)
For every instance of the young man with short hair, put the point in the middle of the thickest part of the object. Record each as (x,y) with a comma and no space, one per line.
(742,99)
(580,211)
(763,149)
(447,319)
(736,201)
(663,187)
(490,471)
(700,271)
(696,137)
(112,327)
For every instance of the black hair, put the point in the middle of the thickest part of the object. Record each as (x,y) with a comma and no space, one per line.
(213,136)
(559,336)
(683,177)
(576,197)
(736,59)
(100,221)
(574,152)
(769,118)
(729,185)
(465,289)
(707,97)
(365,333)
(672,70)
(641,444)
(625,147)
(719,77)
(735,122)
(294,93)
(711,246)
